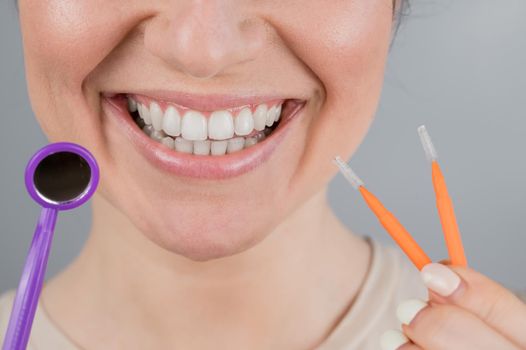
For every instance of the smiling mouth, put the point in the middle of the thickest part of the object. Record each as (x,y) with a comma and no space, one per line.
(203,133)
(205,137)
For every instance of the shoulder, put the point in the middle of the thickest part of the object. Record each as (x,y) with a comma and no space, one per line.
(6,302)
(44,334)
(395,272)
(390,280)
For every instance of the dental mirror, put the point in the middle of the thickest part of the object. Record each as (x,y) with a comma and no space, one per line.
(59,176)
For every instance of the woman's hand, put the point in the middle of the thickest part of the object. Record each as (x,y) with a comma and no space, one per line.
(465,311)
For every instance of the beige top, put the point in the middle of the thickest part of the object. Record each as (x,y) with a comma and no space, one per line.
(390,280)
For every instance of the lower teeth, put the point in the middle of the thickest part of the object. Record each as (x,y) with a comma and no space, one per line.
(206,147)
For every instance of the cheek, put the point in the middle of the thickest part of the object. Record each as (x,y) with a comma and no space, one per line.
(345,44)
(69,37)
(63,42)
(352,72)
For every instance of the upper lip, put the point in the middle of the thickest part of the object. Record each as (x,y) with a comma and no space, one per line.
(210,102)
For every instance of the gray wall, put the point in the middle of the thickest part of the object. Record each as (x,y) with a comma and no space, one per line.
(456,66)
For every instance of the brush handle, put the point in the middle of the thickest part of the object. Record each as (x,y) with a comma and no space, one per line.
(30,285)
(448,218)
(396,230)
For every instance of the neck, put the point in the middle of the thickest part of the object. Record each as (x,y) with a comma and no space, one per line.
(298,281)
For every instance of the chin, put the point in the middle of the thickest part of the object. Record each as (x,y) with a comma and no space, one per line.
(205,230)
(205,246)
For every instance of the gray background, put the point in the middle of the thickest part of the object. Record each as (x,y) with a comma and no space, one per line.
(456,66)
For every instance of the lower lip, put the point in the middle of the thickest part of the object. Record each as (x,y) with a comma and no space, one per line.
(196,166)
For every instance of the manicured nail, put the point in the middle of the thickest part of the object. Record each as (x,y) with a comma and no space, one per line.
(392,340)
(440,279)
(408,309)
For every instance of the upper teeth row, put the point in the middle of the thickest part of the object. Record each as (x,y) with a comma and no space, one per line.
(194,126)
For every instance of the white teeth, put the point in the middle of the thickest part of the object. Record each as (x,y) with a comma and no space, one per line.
(250,141)
(144,112)
(168,142)
(235,144)
(218,148)
(206,147)
(172,122)
(132,105)
(202,147)
(219,134)
(182,145)
(260,117)
(156,114)
(271,115)
(220,125)
(244,122)
(278,113)
(194,126)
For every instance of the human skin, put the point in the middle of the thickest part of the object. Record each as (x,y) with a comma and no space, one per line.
(189,248)
(170,258)
(338,69)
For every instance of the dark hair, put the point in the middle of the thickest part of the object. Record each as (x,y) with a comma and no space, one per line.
(399,13)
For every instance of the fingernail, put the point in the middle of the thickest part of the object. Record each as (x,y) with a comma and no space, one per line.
(440,279)
(407,310)
(392,340)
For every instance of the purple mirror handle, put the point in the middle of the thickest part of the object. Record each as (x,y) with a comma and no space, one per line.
(49,218)
(30,286)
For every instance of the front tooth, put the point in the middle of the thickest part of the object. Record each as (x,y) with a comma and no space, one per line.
(132,105)
(218,148)
(168,142)
(244,122)
(220,125)
(182,145)
(250,141)
(172,122)
(278,113)
(156,114)
(144,112)
(202,147)
(260,117)
(271,115)
(235,144)
(193,126)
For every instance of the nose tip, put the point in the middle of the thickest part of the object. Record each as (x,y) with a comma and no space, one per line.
(204,38)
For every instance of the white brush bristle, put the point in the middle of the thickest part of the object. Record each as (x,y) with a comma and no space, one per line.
(348,173)
(429,148)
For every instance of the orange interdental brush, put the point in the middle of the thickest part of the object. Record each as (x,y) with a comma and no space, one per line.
(444,203)
(386,218)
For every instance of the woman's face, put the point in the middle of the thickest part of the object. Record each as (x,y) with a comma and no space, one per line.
(203,73)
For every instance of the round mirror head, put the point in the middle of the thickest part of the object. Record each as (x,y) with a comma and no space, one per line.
(62,175)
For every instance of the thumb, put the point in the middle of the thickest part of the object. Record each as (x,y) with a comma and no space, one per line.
(476,293)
